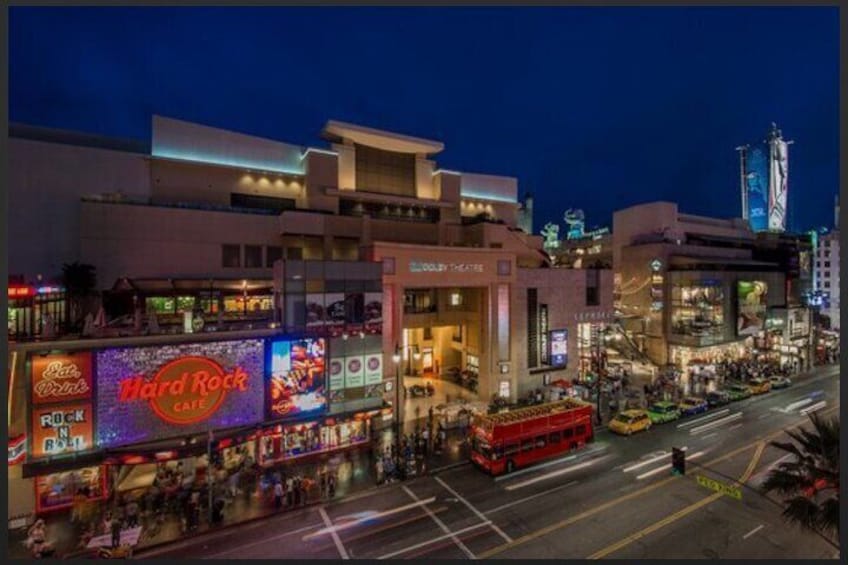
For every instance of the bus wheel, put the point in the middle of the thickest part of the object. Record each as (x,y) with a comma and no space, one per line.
(510,466)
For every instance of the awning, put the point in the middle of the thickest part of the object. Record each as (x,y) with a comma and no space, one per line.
(173,285)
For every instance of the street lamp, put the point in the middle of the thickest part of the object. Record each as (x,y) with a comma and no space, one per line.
(397,415)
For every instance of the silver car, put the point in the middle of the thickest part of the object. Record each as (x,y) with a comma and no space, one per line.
(779,381)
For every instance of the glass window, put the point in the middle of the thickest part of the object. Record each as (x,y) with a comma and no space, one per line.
(253,256)
(827,264)
(185,304)
(272,254)
(527,445)
(581,430)
(555,437)
(231,256)
(511,449)
(568,434)
(697,310)
(294,253)
(541,442)
(160,304)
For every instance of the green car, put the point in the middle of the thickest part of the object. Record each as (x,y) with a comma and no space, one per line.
(738,391)
(662,412)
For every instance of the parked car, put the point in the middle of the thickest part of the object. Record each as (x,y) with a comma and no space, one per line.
(779,381)
(663,411)
(718,398)
(738,391)
(692,405)
(759,386)
(630,421)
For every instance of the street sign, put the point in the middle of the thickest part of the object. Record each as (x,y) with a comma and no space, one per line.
(711,484)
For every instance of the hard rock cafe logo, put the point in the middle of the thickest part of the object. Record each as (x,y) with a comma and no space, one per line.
(59,380)
(186,390)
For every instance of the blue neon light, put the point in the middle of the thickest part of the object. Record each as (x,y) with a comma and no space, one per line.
(196,157)
(482,195)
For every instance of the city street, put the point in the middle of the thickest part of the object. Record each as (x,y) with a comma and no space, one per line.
(614,499)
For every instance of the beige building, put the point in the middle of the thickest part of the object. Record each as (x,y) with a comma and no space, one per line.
(197,220)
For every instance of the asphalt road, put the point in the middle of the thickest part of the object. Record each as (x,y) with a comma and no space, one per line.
(614,499)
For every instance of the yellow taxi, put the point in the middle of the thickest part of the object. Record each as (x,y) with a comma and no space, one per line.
(630,421)
(759,386)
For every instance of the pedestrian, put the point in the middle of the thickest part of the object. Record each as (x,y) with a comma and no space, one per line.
(289,491)
(297,490)
(331,484)
(116,532)
(323,481)
(379,468)
(132,514)
(426,440)
(278,495)
(430,416)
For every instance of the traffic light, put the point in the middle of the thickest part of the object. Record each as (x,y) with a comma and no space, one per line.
(678,461)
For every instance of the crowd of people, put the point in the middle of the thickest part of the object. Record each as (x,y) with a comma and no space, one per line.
(429,438)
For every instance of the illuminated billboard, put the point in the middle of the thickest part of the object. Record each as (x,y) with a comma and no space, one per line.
(757,187)
(778,183)
(296,378)
(152,393)
(752,307)
(559,348)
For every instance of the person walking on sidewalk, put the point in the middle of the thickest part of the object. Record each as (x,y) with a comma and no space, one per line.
(331,484)
(379,468)
(116,531)
(296,486)
(289,491)
(323,481)
(278,495)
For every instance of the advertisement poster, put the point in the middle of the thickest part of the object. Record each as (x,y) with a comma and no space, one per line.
(337,374)
(57,490)
(374,368)
(757,188)
(61,378)
(315,311)
(559,348)
(373,312)
(752,307)
(335,313)
(153,393)
(61,430)
(779,177)
(354,371)
(354,313)
(543,332)
(296,384)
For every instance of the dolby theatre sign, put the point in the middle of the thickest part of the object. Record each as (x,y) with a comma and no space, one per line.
(433,267)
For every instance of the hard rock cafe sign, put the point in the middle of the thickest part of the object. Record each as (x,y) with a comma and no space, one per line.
(61,378)
(185,390)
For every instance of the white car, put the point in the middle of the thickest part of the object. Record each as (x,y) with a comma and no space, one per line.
(779,381)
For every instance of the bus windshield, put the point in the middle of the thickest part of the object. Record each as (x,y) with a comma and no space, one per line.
(481,447)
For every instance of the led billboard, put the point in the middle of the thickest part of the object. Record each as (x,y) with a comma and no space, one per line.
(752,307)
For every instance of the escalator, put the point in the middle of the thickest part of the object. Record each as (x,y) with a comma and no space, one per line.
(626,345)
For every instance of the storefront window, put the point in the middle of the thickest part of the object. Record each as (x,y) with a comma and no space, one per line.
(697,311)
(185,304)
(58,490)
(286,442)
(251,304)
(160,304)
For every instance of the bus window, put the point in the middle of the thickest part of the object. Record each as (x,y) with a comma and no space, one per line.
(511,449)
(498,451)
(540,441)
(527,445)
(568,434)
(556,437)
(581,430)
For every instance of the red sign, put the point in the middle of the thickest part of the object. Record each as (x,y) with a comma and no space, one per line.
(20,291)
(186,390)
(60,378)
(17,449)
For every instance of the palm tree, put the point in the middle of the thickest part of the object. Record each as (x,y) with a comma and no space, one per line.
(79,280)
(809,480)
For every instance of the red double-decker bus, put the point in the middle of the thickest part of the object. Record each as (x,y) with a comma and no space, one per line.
(518,438)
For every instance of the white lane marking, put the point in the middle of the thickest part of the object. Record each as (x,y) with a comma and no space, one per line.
(665,467)
(441,525)
(736,427)
(470,507)
(565,459)
(245,546)
(648,462)
(704,418)
(336,539)
(432,541)
(714,434)
(752,532)
(798,404)
(553,474)
(529,498)
(764,416)
(716,423)
(814,407)
(352,523)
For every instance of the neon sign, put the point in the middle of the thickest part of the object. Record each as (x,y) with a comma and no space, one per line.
(186,390)
(423,267)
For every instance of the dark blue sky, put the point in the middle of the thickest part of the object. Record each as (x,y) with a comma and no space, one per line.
(598,108)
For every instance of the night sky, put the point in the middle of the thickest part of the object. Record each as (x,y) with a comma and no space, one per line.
(593,108)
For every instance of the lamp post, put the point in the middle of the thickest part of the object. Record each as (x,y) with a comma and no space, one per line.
(397,415)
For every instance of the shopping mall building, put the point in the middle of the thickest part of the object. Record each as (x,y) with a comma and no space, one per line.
(271,266)
(694,290)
